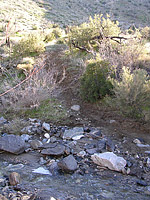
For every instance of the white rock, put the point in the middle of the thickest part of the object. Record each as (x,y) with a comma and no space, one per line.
(46,135)
(46,126)
(77,137)
(75,108)
(136,141)
(110,160)
(41,170)
(112,121)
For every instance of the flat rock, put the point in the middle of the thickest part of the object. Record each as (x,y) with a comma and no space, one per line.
(54,151)
(68,164)
(76,131)
(12,143)
(41,170)
(109,160)
(143,145)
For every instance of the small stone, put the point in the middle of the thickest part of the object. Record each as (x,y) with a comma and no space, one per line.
(77,137)
(53,139)
(75,108)
(46,126)
(148,162)
(14,178)
(136,141)
(35,144)
(141,183)
(81,154)
(46,135)
(91,151)
(2,182)
(2,120)
(25,137)
(143,145)
(41,170)
(112,121)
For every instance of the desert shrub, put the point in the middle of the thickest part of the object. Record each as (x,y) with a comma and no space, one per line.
(146,32)
(32,43)
(57,32)
(49,37)
(97,28)
(94,82)
(132,92)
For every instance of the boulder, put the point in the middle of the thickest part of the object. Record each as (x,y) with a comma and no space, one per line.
(110,160)
(12,143)
(56,150)
(68,164)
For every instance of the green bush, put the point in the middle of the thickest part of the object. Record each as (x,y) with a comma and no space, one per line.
(132,93)
(32,43)
(94,82)
(97,27)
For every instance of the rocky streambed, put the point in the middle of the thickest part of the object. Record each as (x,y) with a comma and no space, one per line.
(58,162)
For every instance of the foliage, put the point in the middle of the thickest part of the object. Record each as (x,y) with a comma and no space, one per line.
(146,32)
(31,43)
(53,34)
(94,82)
(132,93)
(97,27)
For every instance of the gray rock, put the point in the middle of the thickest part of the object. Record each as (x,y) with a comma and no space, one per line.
(75,108)
(110,160)
(143,145)
(26,129)
(68,164)
(101,144)
(76,131)
(2,120)
(110,145)
(25,137)
(95,134)
(91,151)
(53,139)
(142,183)
(46,126)
(12,143)
(35,144)
(54,151)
